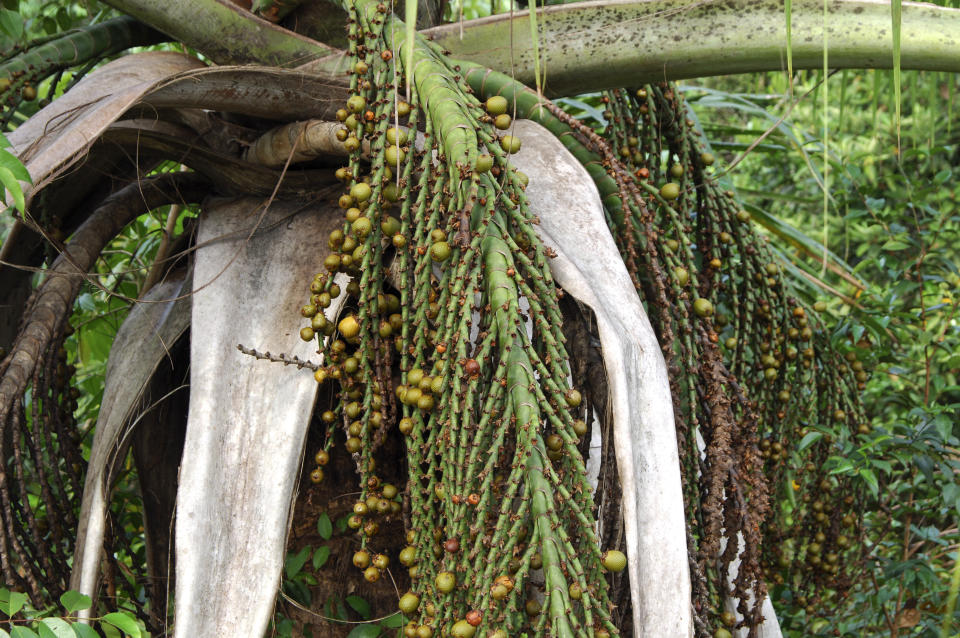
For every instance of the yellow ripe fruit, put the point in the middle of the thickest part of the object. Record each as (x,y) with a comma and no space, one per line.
(496,105)
(349,326)
(614,560)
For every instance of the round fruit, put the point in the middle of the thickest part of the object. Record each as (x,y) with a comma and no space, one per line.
(306,333)
(349,326)
(573,397)
(316,475)
(409,603)
(392,136)
(393,155)
(440,251)
(579,427)
(484,163)
(408,556)
(703,307)
(682,275)
(614,560)
(362,227)
(670,191)
(28,93)
(676,171)
(360,191)
(502,121)
(445,582)
(554,442)
(462,629)
(361,558)
(371,574)
(707,159)
(532,607)
(722,633)
(474,617)
(497,105)
(356,103)
(510,143)
(728,618)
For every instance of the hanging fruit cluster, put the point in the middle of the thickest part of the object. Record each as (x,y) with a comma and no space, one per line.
(450,332)
(756,381)
(759,391)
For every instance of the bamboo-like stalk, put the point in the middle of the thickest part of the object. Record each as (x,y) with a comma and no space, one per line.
(224,32)
(590,46)
(82,45)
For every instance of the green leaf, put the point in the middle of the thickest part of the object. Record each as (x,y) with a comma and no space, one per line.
(298,591)
(11,23)
(55,628)
(359,605)
(295,562)
(871,480)
(110,631)
(84,630)
(75,601)
(4,634)
(324,526)
(22,632)
(285,628)
(320,556)
(951,495)
(9,181)
(394,621)
(365,631)
(895,245)
(809,439)
(11,602)
(123,621)
(12,162)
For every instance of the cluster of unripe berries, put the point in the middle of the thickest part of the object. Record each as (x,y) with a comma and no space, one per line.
(445,582)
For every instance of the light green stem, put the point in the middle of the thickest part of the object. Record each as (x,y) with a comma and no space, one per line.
(224,32)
